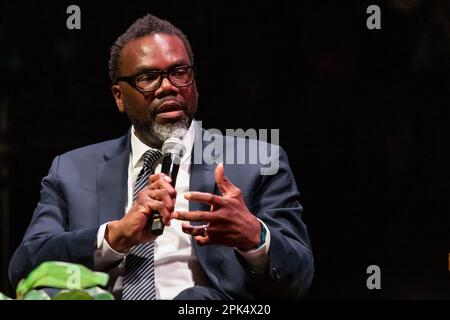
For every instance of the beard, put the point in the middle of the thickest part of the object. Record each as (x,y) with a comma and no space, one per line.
(163,131)
(154,131)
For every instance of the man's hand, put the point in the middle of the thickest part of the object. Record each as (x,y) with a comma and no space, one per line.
(230,223)
(134,228)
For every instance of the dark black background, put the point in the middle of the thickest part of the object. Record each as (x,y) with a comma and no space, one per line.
(363,115)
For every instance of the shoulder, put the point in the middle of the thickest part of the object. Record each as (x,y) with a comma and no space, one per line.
(96,152)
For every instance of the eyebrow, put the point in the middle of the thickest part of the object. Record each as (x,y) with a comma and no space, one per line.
(143,69)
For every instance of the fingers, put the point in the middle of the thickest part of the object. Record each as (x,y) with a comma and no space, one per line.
(166,216)
(225,186)
(162,181)
(201,241)
(200,233)
(194,216)
(204,197)
(146,204)
(195,230)
(155,177)
(161,195)
(168,204)
(149,206)
(160,188)
(156,200)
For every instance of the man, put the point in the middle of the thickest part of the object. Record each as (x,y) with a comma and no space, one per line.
(233,236)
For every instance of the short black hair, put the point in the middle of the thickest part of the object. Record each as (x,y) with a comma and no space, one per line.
(145,26)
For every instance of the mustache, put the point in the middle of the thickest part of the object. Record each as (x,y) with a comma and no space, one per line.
(160,106)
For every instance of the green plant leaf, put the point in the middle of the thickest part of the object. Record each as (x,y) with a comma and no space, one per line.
(100,294)
(61,275)
(4,297)
(36,295)
(72,295)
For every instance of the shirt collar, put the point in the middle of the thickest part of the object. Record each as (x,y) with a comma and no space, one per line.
(138,148)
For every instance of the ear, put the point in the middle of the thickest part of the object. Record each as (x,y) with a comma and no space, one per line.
(117,93)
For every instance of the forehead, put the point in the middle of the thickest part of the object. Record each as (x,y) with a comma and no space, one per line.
(157,51)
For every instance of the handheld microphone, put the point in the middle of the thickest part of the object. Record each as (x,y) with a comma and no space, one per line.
(172,150)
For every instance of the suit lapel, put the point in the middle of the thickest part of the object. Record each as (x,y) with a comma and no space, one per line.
(112,177)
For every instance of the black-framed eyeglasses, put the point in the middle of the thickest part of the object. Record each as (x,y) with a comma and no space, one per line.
(148,81)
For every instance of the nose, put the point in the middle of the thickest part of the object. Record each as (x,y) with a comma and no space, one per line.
(166,87)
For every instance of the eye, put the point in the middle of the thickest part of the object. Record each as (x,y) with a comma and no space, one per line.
(148,77)
(179,72)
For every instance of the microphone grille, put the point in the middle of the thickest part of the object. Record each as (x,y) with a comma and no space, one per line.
(174,145)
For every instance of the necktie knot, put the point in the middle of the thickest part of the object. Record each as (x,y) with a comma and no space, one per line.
(150,157)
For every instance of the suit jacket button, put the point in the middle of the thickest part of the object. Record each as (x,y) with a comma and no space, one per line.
(275,273)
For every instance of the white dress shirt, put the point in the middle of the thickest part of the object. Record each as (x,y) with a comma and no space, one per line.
(176,265)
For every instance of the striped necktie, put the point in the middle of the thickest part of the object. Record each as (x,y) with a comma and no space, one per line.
(139,280)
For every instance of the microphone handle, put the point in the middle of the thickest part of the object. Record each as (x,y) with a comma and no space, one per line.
(170,166)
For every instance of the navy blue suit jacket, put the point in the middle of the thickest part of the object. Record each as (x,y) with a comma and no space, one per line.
(86,187)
